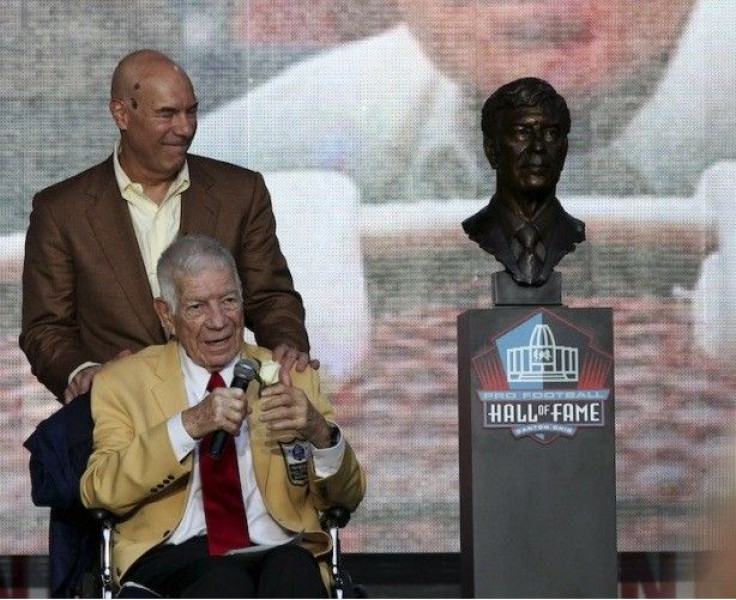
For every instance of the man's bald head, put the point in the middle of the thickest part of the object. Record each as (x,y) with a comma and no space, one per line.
(138,68)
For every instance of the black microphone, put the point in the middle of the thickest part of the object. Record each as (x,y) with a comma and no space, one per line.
(246,370)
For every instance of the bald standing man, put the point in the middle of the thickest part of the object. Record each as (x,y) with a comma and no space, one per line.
(89,276)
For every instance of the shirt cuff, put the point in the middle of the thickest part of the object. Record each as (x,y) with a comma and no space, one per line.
(81,367)
(181,442)
(327,461)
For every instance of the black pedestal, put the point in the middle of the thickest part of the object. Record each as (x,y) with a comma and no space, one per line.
(537,452)
(506,292)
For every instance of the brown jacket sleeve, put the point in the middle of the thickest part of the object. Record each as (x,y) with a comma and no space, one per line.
(49,334)
(273,309)
(86,296)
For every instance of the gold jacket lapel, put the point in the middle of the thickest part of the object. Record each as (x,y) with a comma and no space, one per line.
(168,391)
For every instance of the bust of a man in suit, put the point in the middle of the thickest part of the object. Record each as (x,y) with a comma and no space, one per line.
(525,126)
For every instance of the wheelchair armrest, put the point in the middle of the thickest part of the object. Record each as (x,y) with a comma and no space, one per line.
(335,516)
(332,520)
(106,521)
(101,515)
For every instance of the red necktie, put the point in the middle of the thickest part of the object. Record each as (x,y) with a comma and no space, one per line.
(224,511)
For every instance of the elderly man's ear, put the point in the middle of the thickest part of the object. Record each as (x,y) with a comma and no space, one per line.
(164,315)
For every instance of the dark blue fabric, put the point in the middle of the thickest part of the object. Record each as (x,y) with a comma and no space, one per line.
(60,447)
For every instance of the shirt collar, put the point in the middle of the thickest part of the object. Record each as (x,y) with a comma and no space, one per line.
(198,377)
(179,185)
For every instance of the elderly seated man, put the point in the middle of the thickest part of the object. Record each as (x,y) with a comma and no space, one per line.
(182,510)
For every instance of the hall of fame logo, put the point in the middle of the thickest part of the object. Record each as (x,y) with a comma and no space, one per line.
(543,378)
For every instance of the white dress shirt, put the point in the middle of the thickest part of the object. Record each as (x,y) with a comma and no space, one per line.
(262,528)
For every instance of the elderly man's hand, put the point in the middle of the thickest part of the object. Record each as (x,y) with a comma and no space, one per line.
(288,356)
(223,408)
(286,408)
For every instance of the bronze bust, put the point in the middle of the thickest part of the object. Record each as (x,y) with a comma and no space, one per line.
(525,126)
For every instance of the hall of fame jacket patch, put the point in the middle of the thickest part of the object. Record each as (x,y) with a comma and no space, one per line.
(296,457)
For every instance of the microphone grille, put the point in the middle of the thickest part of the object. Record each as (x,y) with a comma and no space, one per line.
(246,368)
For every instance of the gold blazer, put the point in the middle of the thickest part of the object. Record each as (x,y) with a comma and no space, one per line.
(133,472)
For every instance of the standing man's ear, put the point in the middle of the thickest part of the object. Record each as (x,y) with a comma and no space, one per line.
(119,113)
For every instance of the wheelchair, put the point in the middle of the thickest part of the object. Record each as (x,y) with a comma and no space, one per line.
(101,584)
(60,447)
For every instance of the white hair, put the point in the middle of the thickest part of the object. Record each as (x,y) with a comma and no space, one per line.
(189,255)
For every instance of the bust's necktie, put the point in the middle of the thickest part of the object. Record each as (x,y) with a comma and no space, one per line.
(224,511)
(529,262)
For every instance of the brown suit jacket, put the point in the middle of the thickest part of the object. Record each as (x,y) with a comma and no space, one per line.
(134,473)
(86,296)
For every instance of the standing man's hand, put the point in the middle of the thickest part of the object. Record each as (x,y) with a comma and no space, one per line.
(288,356)
(82,381)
